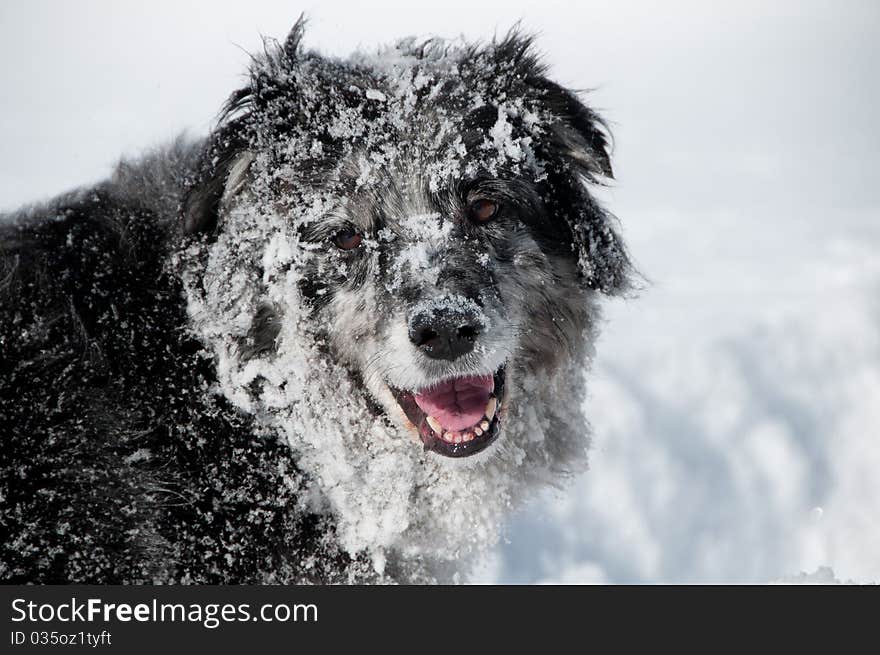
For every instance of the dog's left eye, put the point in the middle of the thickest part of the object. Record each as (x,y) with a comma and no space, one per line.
(482,210)
(347,239)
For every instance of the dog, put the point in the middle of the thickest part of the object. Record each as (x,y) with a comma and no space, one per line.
(334,341)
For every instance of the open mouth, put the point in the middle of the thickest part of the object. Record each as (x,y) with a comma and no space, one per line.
(457,417)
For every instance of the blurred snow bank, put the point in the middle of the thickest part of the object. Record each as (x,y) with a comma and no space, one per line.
(748,458)
(822,575)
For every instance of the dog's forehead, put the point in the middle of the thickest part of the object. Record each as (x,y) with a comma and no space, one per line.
(432,115)
(419,119)
(423,168)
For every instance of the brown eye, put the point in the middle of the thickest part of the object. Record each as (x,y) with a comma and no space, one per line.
(348,239)
(482,210)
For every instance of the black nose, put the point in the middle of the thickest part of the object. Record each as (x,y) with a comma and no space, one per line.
(444,334)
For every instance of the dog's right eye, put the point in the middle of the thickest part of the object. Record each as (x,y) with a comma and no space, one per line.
(347,239)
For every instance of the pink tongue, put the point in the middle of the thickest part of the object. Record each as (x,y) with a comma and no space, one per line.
(458,403)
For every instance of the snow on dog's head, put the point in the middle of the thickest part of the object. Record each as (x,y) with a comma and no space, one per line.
(395,261)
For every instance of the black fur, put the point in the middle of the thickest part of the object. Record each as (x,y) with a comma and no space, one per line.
(117,464)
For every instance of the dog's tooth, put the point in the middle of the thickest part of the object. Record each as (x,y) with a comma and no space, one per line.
(484,425)
(468,436)
(447,437)
(456,437)
(435,425)
(491,406)
(478,431)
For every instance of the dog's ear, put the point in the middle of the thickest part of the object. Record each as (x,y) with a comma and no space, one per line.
(581,133)
(220,161)
(579,155)
(225,157)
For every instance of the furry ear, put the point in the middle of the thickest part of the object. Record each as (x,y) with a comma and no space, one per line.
(579,150)
(201,202)
(581,134)
(221,166)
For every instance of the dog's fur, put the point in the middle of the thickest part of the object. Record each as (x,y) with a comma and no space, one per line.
(195,383)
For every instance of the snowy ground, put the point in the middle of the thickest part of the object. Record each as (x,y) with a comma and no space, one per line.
(738,449)
(736,402)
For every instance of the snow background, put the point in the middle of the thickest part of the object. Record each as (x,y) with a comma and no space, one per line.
(736,403)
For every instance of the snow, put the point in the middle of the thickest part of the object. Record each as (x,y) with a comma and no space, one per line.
(735,402)
(742,450)
(823,575)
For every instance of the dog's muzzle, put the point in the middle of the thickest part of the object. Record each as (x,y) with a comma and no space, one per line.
(457,415)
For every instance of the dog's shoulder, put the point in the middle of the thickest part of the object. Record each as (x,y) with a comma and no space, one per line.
(118,463)
(72,272)
(83,302)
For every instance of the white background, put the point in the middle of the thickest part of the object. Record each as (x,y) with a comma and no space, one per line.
(736,402)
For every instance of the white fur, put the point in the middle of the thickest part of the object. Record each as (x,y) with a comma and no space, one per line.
(385,494)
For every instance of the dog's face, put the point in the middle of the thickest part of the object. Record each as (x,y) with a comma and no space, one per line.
(401,260)
(435,289)
(446,295)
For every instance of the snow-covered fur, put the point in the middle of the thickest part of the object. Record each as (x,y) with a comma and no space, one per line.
(199,377)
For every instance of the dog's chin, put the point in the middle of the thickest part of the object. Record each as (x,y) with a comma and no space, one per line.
(466,413)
